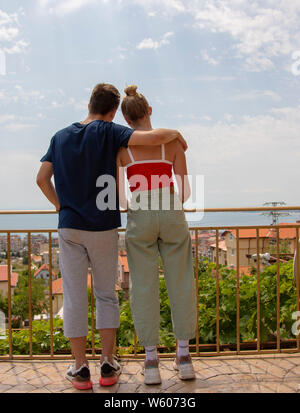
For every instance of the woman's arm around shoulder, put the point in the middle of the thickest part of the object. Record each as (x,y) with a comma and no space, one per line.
(181,173)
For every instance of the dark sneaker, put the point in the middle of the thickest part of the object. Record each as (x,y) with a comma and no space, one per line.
(185,368)
(80,378)
(109,373)
(151,372)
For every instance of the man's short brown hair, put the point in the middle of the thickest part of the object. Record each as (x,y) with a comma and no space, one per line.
(104,99)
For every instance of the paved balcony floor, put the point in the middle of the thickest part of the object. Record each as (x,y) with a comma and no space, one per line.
(231,374)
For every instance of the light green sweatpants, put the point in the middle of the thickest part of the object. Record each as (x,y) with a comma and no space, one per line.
(148,234)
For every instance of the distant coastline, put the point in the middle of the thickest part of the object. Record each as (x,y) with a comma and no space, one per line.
(47,222)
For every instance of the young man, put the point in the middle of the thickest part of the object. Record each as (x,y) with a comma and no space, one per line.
(79,156)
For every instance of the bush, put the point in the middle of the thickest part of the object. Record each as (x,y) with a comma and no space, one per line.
(207,313)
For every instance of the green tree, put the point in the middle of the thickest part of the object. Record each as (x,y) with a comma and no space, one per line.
(284,247)
(21,294)
(248,303)
(4,304)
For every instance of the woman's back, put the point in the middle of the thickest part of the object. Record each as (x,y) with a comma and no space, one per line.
(146,153)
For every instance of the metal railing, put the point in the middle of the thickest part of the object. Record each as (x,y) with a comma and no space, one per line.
(197,347)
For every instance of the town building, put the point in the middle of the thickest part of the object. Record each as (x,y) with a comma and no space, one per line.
(123,272)
(205,239)
(4,280)
(43,273)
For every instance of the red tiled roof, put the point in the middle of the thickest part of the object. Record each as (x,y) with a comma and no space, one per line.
(124,262)
(205,235)
(222,245)
(251,233)
(57,286)
(245,269)
(36,258)
(43,267)
(4,275)
(284,233)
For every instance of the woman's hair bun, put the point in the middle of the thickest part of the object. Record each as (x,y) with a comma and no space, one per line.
(131,90)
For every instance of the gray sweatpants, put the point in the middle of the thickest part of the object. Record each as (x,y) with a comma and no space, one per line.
(79,250)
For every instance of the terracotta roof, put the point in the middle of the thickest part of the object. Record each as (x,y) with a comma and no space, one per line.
(124,262)
(205,235)
(284,233)
(222,245)
(4,275)
(250,233)
(43,267)
(245,269)
(57,286)
(36,258)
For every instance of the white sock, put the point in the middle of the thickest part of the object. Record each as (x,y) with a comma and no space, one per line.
(151,353)
(183,348)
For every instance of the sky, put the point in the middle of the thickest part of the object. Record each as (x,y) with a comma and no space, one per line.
(226,73)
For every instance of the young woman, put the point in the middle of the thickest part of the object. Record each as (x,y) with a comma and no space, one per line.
(156,225)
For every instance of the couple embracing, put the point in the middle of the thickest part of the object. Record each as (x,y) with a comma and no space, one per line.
(88,237)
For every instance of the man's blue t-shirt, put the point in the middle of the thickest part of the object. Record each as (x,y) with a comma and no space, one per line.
(80,154)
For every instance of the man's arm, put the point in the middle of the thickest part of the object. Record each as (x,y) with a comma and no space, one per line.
(43,180)
(121,184)
(156,137)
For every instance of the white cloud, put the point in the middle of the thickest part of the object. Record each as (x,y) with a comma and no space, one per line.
(206,118)
(261,31)
(15,123)
(212,61)
(16,127)
(168,6)
(154,44)
(18,94)
(63,7)
(257,152)
(19,189)
(6,118)
(215,78)
(71,102)
(18,47)
(256,94)
(10,41)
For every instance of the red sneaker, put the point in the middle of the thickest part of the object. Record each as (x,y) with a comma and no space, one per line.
(109,373)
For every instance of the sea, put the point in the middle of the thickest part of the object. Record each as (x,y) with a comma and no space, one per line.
(208,219)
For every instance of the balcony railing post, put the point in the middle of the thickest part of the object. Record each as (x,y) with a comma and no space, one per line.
(198,346)
(298,281)
(218,292)
(29,292)
(197,289)
(93,316)
(278,288)
(50,293)
(135,344)
(9,295)
(258,289)
(238,291)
